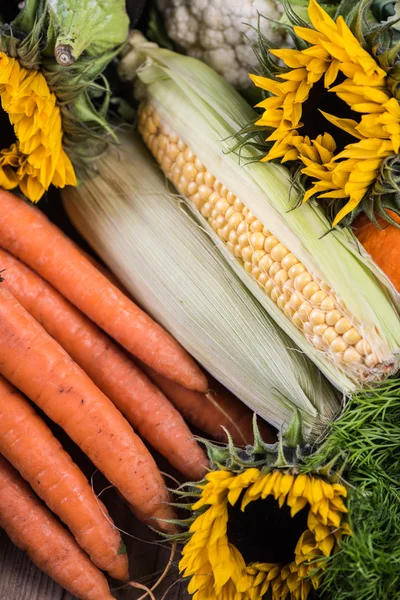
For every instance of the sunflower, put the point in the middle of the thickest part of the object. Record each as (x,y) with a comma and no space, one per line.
(37,158)
(260,530)
(53,91)
(260,524)
(364,134)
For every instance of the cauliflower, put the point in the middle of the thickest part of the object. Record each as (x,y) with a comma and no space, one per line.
(212,30)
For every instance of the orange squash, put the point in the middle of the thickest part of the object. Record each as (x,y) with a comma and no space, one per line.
(382,244)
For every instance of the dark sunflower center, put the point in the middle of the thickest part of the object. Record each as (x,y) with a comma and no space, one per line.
(315,123)
(7,130)
(264,532)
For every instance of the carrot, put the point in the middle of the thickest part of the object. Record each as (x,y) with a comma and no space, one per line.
(105,271)
(382,243)
(29,445)
(142,403)
(212,411)
(37,365)
(34,530)
(30,236)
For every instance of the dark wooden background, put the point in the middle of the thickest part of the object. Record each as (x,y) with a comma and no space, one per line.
(148,554)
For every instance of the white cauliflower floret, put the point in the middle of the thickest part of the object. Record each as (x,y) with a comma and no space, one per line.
(213,31)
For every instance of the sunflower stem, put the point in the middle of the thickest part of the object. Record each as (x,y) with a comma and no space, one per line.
(28,16)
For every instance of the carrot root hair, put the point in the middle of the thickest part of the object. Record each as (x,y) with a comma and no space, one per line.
(149,591)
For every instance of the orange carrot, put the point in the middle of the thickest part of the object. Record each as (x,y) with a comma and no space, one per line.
(29,445)
(382,243)
(212,411)
(142,403)
(30,236)
(34,530)
(37,365)
(105,271)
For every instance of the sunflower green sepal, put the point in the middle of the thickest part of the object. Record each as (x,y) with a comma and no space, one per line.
(259,524)
(24,44)
(87,129)
(300,8)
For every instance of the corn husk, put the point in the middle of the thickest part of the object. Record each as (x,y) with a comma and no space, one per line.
(205,112)
(168,262)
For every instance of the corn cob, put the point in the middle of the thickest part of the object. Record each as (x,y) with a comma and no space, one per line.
(347,319)
(171,266)
(312,306)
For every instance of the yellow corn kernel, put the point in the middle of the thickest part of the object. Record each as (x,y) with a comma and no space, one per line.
(309,303)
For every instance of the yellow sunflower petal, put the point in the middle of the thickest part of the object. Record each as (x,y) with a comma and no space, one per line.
(327,545)
(336,52)
(302,92)
(264,83)
(290,155)
(233,496)
(31,187)
(334,518)
(297,506)
(348,125)
(324,154)
(323,509)
(340,489)
(367,107)
(336,193)
(292,58)
(8,178)
(264,588)
(295,74)
(244,479)
(272,480)
(308,34)
(218,476)
(286,483)
(218,529)
(332,73)
(270,103)
(318,15)
(300,484)
(337,504)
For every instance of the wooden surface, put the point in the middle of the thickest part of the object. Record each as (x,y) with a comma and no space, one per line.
(21,580)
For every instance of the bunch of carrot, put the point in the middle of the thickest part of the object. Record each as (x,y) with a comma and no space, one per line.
(56,309)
